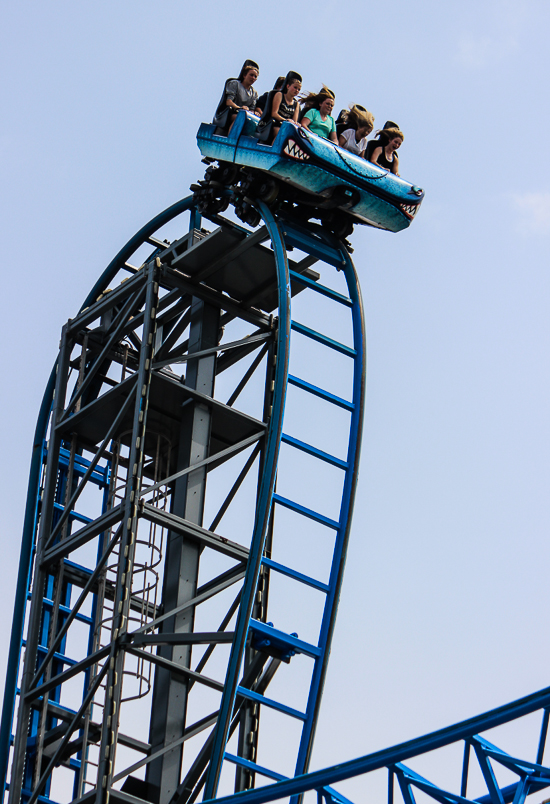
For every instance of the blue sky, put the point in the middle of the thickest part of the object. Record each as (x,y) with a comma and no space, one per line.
(444,611)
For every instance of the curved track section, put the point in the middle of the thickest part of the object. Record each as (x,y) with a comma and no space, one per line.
(165,554)
(481,772)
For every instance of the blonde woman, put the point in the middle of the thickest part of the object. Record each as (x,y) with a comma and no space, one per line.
(359,123)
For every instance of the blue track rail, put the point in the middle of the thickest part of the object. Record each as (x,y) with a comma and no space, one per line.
(312,241)
(532,775)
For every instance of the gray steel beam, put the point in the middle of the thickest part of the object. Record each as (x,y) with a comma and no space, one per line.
(199,535)
(256,678)
(175,670)
(107,520)
(169,709)
(216,299)
(104,303)
(56,681)
(35,616)
(189,732)
(121,608)
(196,638)
(237,251)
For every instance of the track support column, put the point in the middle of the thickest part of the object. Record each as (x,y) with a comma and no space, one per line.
(182,558)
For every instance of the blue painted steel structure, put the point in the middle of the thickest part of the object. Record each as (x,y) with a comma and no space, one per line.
(285,233)
(80,560)
(28,541)
(533,776)
(171,312)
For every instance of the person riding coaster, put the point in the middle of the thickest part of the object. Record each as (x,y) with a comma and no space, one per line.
(281,104)
(317,113)
(382,150)
(353,133)
(237,94)
(324,180)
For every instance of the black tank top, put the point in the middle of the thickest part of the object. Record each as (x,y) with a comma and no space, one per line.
(383,161)
(286,110)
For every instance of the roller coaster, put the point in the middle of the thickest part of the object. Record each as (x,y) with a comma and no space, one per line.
(316,176)
(154,655)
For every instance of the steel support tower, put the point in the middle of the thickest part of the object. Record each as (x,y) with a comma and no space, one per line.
(143,665)
(149,661)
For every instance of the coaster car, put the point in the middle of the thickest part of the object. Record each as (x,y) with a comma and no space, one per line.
(321,174)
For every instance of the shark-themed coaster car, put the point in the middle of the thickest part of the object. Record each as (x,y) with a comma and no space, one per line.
(311,171)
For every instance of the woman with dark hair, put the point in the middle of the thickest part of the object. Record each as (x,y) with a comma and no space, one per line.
(284,106)
(383,150)
(237,94)
(263,99)
(318,117)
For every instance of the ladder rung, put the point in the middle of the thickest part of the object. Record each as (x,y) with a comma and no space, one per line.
(322,289)
(298,576)
(64,455)
(323,339)
(74,514)
(277,636)
(255,696)
(67,610)
(246,763)
(58,657)
(316,391)
(98,477)
(317,453)
(301,509)
(303,240)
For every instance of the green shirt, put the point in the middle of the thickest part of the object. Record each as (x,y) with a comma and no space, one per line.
(318,126)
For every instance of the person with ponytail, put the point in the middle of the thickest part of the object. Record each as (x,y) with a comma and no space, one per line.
(237,94)
(284,106)
(318,118)
(264,99)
